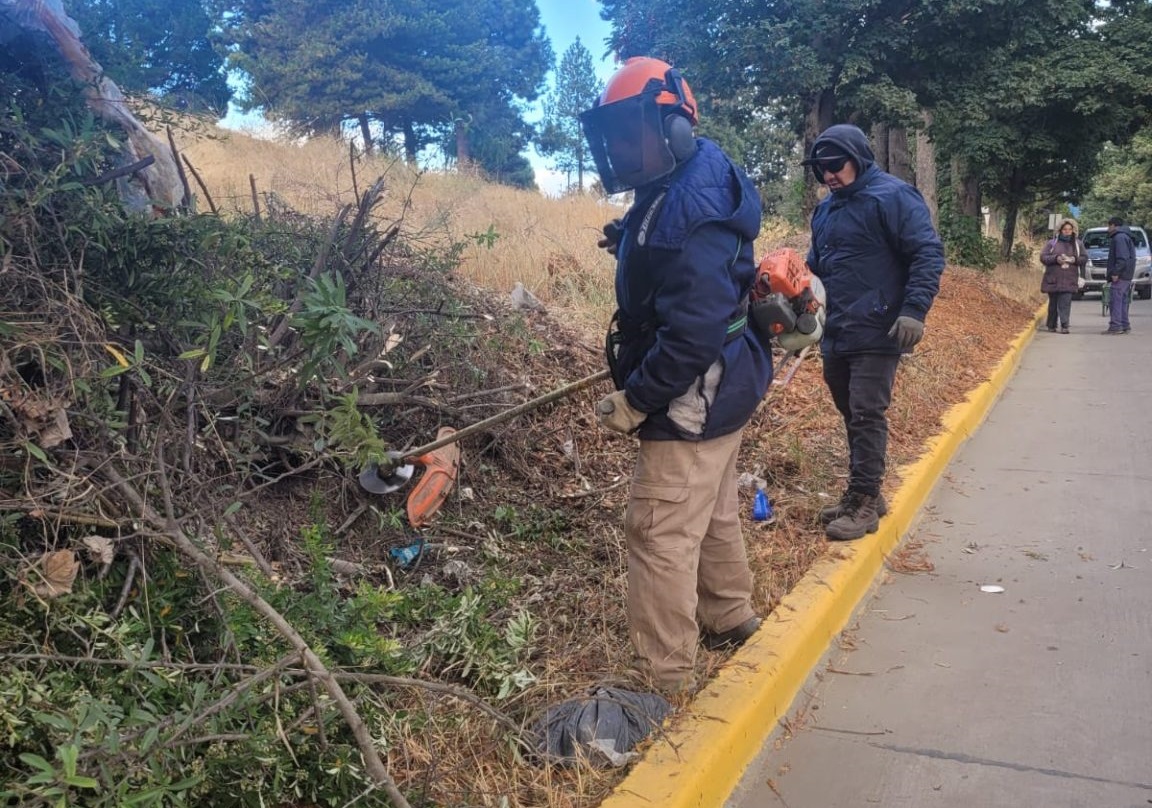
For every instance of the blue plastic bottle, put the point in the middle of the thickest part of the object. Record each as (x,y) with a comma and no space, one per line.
(761,507)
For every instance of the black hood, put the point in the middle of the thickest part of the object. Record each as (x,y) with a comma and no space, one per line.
(851,140)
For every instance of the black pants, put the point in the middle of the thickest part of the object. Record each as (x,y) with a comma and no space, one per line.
(1059,307)
(861,387)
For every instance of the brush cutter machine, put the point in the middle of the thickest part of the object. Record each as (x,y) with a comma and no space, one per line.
(787,302)
(441,458)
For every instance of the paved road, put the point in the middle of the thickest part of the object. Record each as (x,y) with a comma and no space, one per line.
(1042,695)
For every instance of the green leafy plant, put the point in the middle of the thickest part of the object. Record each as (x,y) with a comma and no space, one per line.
(464,640)
(487,239)
(532,523)
(234,310)
(965,244)
(1021,256)
(328,329)
(348,433)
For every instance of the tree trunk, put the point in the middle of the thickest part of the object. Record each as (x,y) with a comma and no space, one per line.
(463,151)
(994,223)
(818,119)
(966,187)
(366,134)
(410,144)
(1016,193)
(880,145)
(1008,233)
(899,161)
(926,167)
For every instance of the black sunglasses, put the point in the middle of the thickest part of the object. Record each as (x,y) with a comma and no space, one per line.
(832,165)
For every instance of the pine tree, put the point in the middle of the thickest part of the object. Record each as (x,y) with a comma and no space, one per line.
(166,49)
(576,90)
(407,69)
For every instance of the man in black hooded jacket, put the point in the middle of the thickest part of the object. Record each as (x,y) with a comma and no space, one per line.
(880,258)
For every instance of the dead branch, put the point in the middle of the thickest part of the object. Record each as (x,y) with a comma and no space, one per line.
(187,203)
(252,549)
(229,698)
(129,581)
(122,171)
(38,512)
(352,167)
(255,196)
(200,183)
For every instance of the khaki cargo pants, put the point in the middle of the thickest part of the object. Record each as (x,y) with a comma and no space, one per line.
(687,566)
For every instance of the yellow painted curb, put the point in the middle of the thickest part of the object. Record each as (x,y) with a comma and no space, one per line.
(701,761)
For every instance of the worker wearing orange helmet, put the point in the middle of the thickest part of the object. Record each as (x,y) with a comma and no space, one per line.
(688,371)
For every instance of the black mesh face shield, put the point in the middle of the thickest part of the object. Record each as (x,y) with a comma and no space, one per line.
(627,142)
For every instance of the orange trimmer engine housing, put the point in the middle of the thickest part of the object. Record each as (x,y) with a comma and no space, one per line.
(783,298)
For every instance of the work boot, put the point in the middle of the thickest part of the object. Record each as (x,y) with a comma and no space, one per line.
(861,516)
(732,638)
(834,512)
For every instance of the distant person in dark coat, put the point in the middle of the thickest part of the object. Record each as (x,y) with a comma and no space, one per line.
(1121,268)
(880,258)
(1063,258)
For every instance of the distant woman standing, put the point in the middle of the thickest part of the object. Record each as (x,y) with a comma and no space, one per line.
(1062,258)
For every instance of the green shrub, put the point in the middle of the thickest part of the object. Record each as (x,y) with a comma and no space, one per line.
(964,243)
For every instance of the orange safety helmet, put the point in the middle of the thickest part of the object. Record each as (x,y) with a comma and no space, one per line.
(641,126)
(638,75)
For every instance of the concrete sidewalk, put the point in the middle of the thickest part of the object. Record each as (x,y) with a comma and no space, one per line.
(1041,695)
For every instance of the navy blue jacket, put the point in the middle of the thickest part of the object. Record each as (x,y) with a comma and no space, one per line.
(875,249)
(685,265)
(1121,254)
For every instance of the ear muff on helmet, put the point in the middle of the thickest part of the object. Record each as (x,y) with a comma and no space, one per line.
(678,134)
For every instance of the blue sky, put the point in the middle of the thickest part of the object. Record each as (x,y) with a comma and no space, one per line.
(563,21)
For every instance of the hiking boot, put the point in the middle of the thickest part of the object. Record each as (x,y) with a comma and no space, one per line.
(833,512)
(861,516)
(1064,330)
(1052,329)
(732,638)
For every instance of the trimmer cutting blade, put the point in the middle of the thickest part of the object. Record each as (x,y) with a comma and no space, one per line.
(377,479)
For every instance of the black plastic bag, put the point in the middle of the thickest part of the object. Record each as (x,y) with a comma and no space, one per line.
(601,728)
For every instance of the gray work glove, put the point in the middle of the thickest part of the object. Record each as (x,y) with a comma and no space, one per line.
(907,331)
(611,239)
(617,414)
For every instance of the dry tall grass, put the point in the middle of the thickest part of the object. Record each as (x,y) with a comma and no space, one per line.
(510,235)
(547,244)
